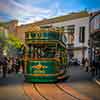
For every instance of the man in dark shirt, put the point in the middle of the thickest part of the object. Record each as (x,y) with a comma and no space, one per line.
(4,64)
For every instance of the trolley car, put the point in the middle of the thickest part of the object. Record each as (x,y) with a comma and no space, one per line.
(46,55)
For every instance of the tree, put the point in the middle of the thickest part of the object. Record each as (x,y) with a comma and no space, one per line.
(10,44)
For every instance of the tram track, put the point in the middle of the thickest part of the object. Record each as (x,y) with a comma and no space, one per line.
(51,92)
(52,95)
(67,92)
(34,85)
(32,92)
(70,91)
(29,98)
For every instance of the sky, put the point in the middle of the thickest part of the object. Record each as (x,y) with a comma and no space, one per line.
(28,11)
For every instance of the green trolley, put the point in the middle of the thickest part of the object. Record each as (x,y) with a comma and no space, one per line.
(46,55)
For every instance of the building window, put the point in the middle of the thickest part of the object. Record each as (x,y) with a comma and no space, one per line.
(26,35)
(71,31)
(63,28)
(82,34)
(95,23)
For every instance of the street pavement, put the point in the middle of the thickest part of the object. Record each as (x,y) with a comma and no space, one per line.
(83,82)
(11,88)
(14,88)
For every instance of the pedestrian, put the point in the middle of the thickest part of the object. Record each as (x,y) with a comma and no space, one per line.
(4,63)
(22,65)
(9,65)
(97,65)
(0,66)
(1,59)
(17,64)
(93,67)
(14,64)
(83,62)
(86,65)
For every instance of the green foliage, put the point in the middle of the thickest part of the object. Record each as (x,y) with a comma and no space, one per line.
(14,41)
(3,24)
(10,43)
(11,39)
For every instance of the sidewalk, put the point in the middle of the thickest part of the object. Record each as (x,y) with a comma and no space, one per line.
(11,79)
(83,82)
(97,80)
(11,88)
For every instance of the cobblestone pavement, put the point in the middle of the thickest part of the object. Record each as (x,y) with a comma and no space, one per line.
(83,83)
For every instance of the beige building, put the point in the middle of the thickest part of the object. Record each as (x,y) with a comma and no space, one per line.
(76,27)
(9,27)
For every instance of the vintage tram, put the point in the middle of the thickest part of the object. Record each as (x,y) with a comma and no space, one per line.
(46,55)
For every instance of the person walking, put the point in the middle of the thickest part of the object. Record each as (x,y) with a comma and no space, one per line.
(9,65)
(83,62)
(22,65)
(97,65)
(14,64)
(93,68)
(17,64)
(4,63)
(86,65)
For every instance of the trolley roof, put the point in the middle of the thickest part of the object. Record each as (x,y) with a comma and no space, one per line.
(40,30)
(45,35)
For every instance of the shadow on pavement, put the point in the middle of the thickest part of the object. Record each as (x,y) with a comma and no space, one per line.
(12,79)
(78,74)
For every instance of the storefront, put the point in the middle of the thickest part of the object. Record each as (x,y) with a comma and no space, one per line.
(95,38)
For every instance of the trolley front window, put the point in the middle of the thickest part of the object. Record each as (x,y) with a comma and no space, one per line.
(41,51)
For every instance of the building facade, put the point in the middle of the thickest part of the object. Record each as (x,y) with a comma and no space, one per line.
(77,47)
(94,35)
(76,28)
(94,24)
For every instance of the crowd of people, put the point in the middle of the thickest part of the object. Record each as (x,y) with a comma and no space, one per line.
(11,64)
(89,66)
(16,64)
(93,67)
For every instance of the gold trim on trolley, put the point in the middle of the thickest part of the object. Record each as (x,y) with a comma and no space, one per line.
(56,74)
(46,42)
(42,59)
